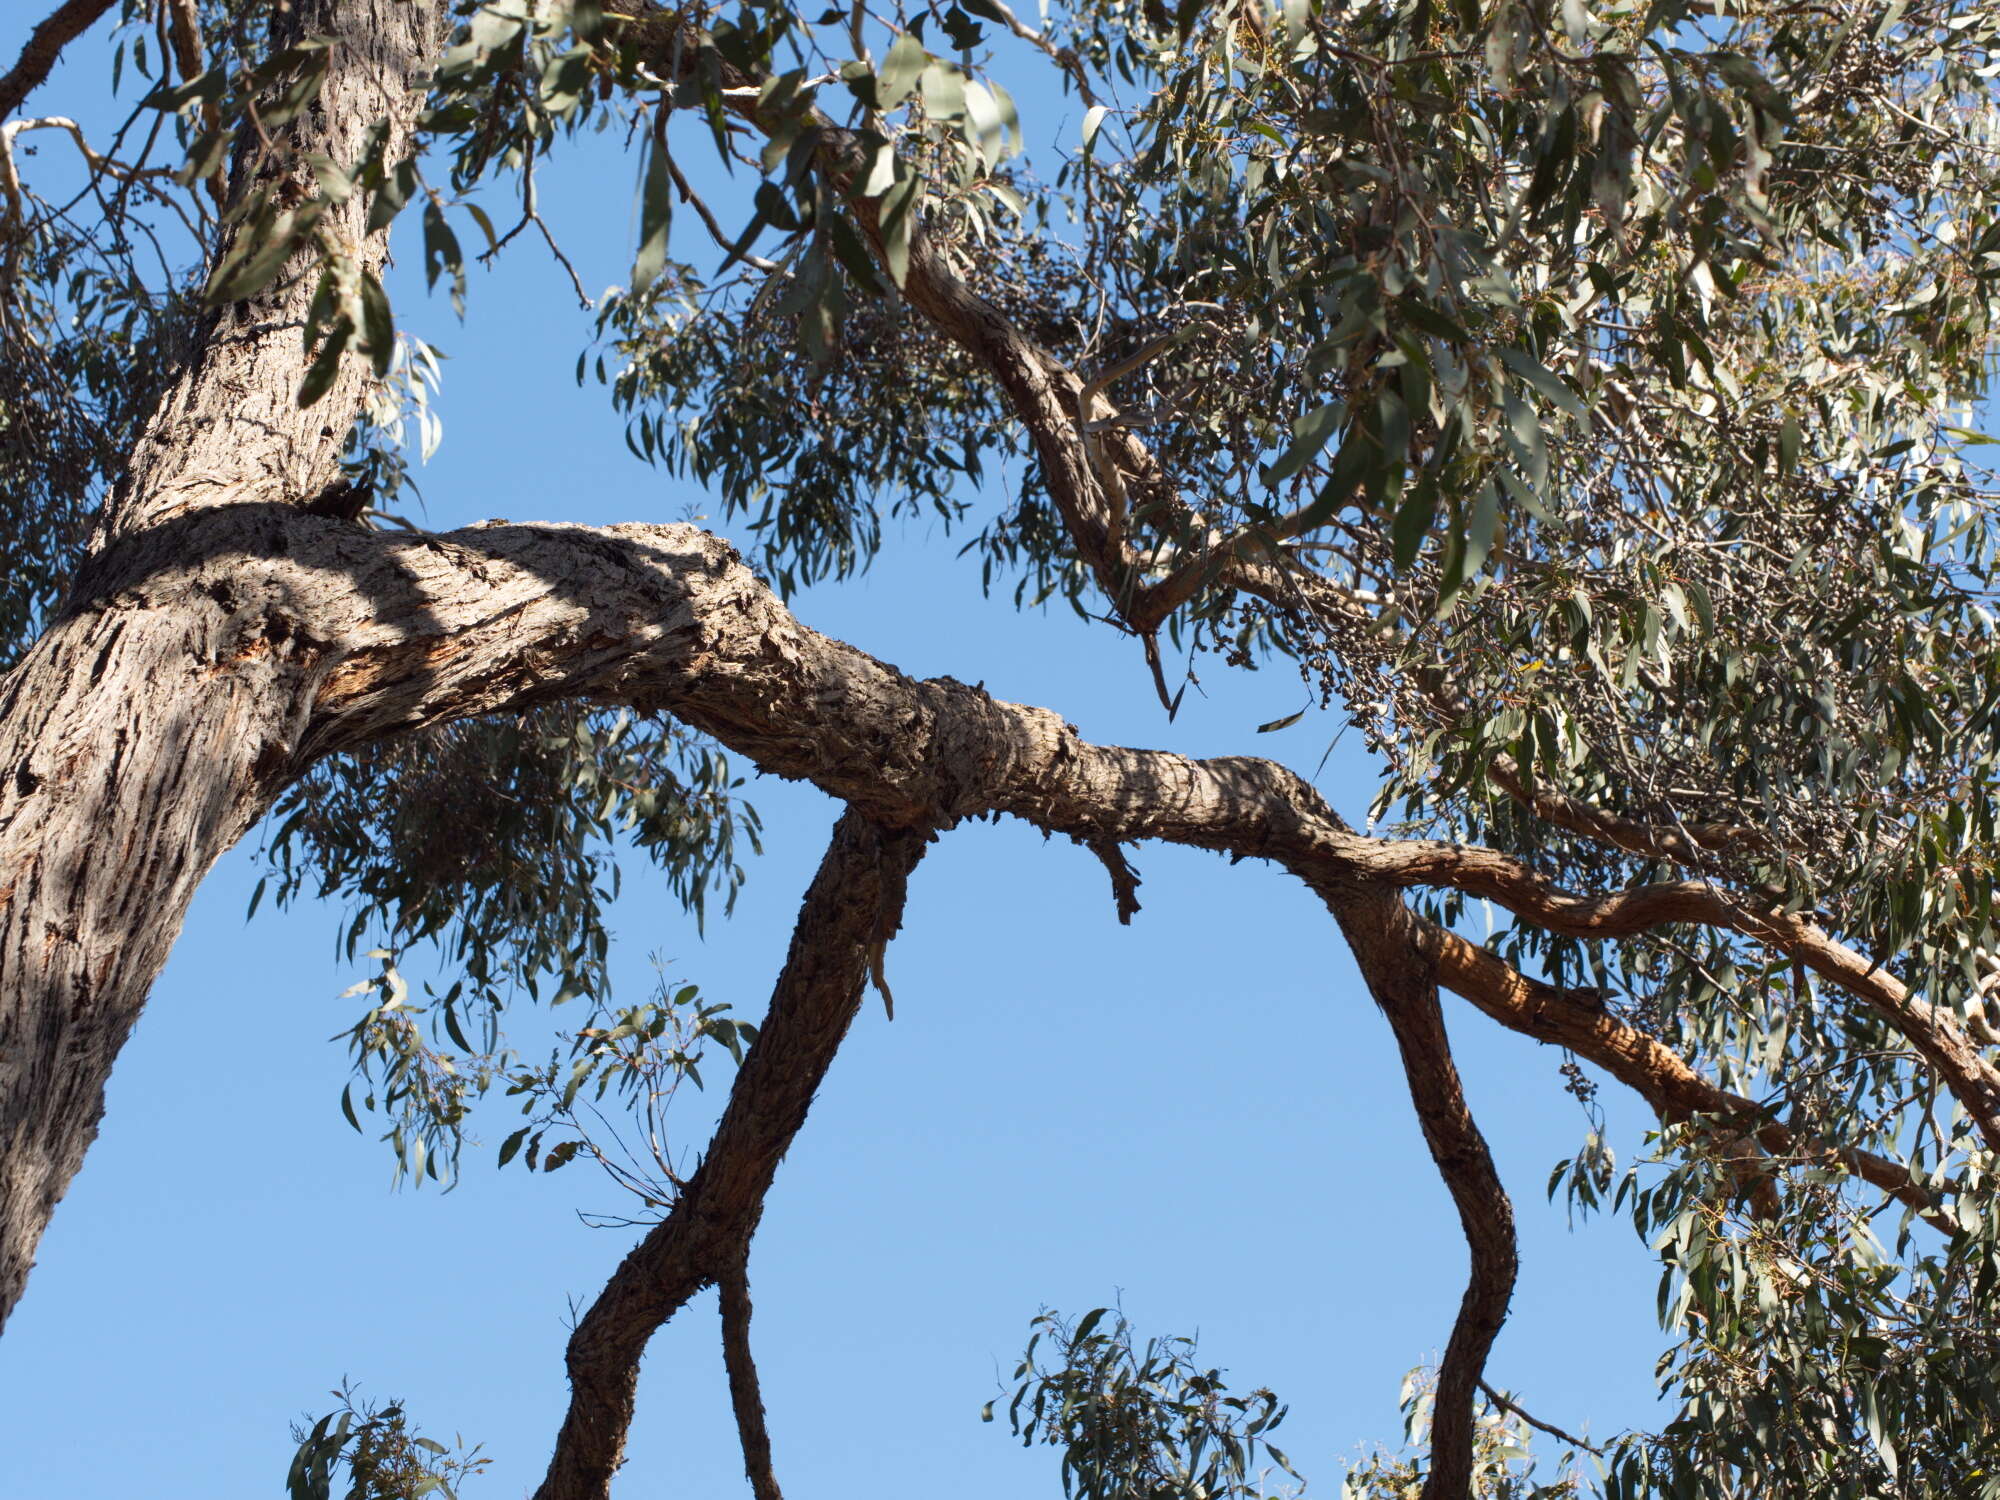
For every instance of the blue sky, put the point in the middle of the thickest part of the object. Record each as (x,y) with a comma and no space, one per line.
(1200,1113)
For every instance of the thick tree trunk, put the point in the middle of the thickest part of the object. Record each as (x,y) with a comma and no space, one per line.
(139,740)
(156,719)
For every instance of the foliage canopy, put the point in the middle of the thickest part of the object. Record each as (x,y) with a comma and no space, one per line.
(1583,398)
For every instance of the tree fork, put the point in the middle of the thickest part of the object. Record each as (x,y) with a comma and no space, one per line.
(853,907)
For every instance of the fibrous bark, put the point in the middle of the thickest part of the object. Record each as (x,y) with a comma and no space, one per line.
(222,638)
(853,907)
(159,714)
(1396,957)
(44,46)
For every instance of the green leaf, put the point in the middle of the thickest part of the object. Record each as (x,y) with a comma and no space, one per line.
(853,254)
(1413,521)
(860,81)
(897,78)
(897,220)
(1309,434)
(320,373)
(1546,382)
(776,208)
(442,253)
(561,1156)
(1790,438)
(965,33)
(397,186)
(1480,529)
(656,214)
(944,91)
(377,323)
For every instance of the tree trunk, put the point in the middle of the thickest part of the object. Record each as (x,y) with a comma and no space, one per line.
(157,718)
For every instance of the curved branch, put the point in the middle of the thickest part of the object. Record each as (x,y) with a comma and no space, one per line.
(1938,1034)
(1056,408)
(1389,945)
(1657,1073)
(1506,1403)
(498,617)
(43,49)
(744,1394)
(854,905)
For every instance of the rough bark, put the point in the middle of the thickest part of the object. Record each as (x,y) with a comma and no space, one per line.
(158,716)
(852,909)
(1398,962)
(1655,1072)
(364,635)
(221,639)
(229,429)
(43,48)
(745,1394)
(1086,470)
(666,617)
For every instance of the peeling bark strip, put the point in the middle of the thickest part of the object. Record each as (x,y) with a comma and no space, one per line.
(853,907)
(153,723)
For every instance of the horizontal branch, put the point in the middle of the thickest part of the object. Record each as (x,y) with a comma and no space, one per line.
(1686,843)
(401,631)
(1085,465)
(391,632)
(413,630)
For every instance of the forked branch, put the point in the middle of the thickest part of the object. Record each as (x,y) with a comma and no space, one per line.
(1657,1073)
(854,905)
(667,618)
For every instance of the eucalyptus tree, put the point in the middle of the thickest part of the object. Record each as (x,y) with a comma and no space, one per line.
(1582,396)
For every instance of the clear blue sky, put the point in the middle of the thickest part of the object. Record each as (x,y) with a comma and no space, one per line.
(1201,1112)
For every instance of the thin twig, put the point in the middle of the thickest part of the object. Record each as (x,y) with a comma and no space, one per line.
(531,214)
(693,200)
(1505,1404)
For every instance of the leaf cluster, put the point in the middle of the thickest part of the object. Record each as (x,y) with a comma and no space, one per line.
(1140,1422)
(381,1453)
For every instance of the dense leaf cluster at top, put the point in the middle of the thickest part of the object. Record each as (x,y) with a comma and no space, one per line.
(1586,395)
